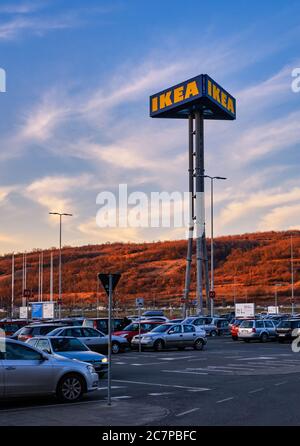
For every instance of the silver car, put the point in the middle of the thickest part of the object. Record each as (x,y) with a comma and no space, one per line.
(257,329)
(26,371)
(203,323)
(94,339)
(170,336)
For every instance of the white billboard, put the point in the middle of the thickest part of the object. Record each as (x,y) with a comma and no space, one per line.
(48,310)
(23,312)
(273,310)
(244,310)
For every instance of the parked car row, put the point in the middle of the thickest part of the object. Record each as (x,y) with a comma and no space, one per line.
(265,329)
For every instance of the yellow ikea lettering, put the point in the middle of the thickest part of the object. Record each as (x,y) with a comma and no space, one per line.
(224,99)
(216,93)
(230,105)
(178,94)
(165,99)
(154,104)
(209,89)
(191,89)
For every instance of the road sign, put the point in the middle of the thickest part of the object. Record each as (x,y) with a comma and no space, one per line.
(27,293)
(212,294)
(200,92)
(139,302)
(104,279)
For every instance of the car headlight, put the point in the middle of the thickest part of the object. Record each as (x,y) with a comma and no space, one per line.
(91,369)
(104,360)
(146,338)
(124,335)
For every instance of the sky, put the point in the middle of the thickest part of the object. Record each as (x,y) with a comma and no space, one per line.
(75,119)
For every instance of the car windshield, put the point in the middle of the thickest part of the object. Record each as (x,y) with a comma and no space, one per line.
(161,328)
(189,320)
(54,332)
(247,324)
(131,327)
(68,345)
(285,324)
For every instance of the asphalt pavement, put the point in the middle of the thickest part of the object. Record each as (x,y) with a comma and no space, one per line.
(227,384)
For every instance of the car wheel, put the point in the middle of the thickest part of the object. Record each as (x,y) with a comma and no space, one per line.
(213,333)
(199,344)
(158,345)
(115,348)
(70,388)
(264,337)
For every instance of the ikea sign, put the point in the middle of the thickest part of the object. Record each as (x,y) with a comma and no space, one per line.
(199,93)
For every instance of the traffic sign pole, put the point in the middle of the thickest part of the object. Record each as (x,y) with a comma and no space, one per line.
(109,282)
(109,340)
(140,345)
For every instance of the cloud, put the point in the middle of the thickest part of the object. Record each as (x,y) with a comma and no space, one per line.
(254,203)
(56,192)
(287,217)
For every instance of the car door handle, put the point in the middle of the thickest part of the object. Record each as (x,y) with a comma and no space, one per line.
(10,367)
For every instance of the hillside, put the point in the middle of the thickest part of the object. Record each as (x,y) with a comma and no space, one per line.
(246,266)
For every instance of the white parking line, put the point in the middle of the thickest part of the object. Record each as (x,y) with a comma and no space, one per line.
(47,406)
(257,390)
(187,411)
(280,383)
(226,399)
(143,383)
(185,372)
(159,393)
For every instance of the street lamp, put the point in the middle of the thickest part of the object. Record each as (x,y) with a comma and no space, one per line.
(212,236)
(276,296)
(59,271)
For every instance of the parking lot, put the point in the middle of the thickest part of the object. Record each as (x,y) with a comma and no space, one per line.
(228,383)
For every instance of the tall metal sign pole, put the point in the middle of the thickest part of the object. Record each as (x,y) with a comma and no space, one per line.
(109,282)
(196,99)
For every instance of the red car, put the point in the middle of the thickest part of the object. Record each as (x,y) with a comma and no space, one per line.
(133,329)
(10,326)
(235,328)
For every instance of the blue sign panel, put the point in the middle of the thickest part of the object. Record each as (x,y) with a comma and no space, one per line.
(37,311)
(198,93)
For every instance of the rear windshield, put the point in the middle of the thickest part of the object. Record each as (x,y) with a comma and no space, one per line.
(247,324)
(68,345)
(45,330)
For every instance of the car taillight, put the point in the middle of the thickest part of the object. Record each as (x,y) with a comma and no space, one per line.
(95,324)
(253,330)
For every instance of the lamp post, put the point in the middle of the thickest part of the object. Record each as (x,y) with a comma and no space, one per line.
(292,274)
(60,214)
(276,295)
(212,237)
